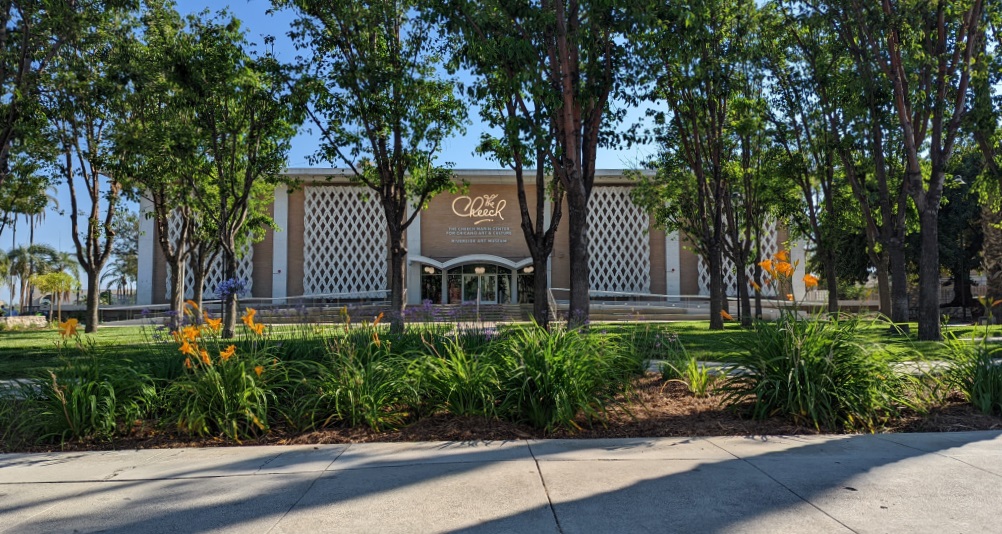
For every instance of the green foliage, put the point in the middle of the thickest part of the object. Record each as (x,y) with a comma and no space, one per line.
(695,376)
(651,342)
(459,380)
(551,377)
(90,397)
(364,385)
(816,371)
(976,370)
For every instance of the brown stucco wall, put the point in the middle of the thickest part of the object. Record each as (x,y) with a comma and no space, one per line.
(262,261)
(446,235)
(658,280)
(689,266)
(296,227)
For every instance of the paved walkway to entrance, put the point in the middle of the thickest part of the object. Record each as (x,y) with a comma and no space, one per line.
(949,482)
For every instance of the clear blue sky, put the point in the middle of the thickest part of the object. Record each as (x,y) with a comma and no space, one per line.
(257,24)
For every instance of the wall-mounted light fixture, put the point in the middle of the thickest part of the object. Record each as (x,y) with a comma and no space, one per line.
(429,269)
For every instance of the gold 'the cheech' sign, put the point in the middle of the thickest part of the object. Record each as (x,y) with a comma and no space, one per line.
(483,208)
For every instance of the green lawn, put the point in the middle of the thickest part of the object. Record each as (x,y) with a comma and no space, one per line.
(25,353)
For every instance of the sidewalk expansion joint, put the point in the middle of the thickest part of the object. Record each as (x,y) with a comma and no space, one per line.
(549,501)
(784,486)
(937,453)
(308,488)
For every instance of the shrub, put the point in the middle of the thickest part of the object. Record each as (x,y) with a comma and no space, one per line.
(976,370)
(815,371)
(459,381)
(550,377)
(90,398)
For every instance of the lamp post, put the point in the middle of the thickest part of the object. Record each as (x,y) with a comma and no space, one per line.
(480,274)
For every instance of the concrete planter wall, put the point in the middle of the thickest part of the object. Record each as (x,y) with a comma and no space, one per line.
(24,321)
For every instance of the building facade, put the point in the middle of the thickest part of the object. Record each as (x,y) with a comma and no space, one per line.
(332,243)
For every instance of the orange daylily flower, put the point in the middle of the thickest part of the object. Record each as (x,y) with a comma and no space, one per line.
(190,333)
(228,353)
(213,324)
(767,265)
(726,315)
(755,286)
(248,317)
(784,269)
(782,255)
(259,369)
(789,296)
(204,354)
(378,318)
(186,348)
(187,363)
(68,327)
(810,281)
(257,328)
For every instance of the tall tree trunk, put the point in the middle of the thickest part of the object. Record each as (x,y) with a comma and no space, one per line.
(396,273)
(230,303)
(881,264)
(577,215)
(541,288)
(929,328)
(757,272)
(899,282)
(176,292)
(991,224)
(716,264)
(93,301)
(743,298)
(831,279)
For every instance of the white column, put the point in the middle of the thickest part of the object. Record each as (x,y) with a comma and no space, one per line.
(673,265)
(798,256)
(280,247)
(144,279)
(414,269)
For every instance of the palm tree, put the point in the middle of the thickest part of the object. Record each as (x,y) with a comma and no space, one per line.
(26,261)
(121,274)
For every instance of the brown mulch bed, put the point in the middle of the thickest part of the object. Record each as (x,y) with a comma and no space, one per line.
(653,409)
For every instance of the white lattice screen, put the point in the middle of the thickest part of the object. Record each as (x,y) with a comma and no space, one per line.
(217,271)
(344,247)
(770,245)
(619,250)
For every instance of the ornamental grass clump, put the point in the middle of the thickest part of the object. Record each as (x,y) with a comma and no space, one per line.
(550,378)
(359,383)
(88,396)
(457,380)
(817,372)
(976,371)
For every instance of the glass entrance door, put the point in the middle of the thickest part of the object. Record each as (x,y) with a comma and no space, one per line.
(488,284)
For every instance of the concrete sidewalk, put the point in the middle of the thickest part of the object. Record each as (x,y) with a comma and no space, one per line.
(886,483)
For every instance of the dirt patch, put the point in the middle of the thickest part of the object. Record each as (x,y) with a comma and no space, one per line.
(652,408)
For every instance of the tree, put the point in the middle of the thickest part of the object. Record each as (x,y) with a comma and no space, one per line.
(698,69)
(87,102)
(164,142)
(381,109)
(855,101)
(927,51)
(245,119)
(32,32)
(57,284)
(576,57)
(510,100)
(25,262)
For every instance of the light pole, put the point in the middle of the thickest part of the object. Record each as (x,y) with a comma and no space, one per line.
(480,274)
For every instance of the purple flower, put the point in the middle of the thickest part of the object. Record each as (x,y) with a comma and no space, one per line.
(231,286)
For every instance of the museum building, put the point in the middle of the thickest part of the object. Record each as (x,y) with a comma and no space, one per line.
(331,244)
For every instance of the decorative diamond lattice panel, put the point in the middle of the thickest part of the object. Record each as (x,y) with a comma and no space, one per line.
(770,245)
(217,271)
(619,250)
(344,243)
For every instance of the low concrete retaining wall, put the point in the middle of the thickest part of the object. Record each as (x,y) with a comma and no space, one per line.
(24,321)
